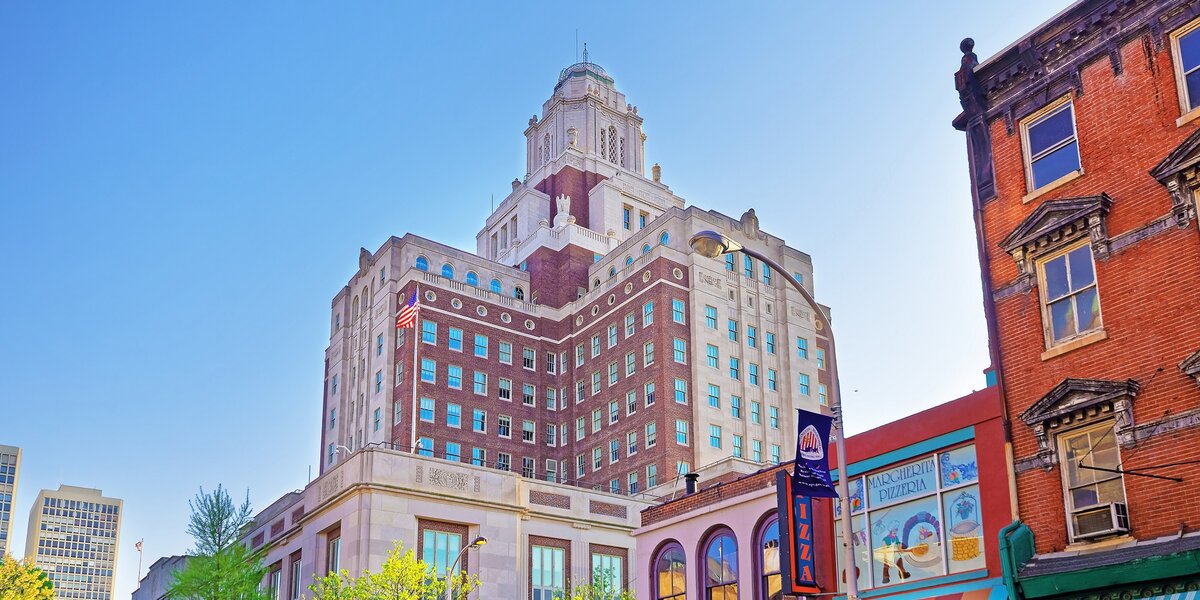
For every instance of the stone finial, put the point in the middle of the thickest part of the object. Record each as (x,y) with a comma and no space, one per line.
(750,223)
(543,223)
(970,94)
(516,183)
(611,233)
(533,120)
(572,137)
(656,172)
(364,260)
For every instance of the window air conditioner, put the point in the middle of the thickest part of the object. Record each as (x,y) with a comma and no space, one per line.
(1100,520)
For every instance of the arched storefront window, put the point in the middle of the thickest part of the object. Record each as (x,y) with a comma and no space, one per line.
(769,577)
(422,263)
(472,279)
(447,271)
(719,579)
(670,574)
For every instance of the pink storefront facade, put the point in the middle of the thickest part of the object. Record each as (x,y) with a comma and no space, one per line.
(930,494)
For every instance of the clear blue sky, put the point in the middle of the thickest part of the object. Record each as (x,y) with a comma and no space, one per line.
(184,186)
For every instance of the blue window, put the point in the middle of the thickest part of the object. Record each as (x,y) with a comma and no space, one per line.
(378,381)
(748,264)
(664,238)
(770,343)
(753,374)
(680,391)
(379,345)
(481,345)
(472,279)
(425,446)
(642,220)
(428,332)
(427,409)
(804,385)
(801,347)
(626,218)
(714,396)
(713,355)
(735,368)
(456,339)
(710,317)
(1189,66)
(454,377)
(648,313)
(714,436)
(766,271)
(447,271)
(428,370)
(677,311)
(735,406)
(453,451)
(495,286)
(752,336)
(733,330)
(422,263)
(772,380)
(1053,151)
(646,249)
(628,260)
(729,262)
(454,415)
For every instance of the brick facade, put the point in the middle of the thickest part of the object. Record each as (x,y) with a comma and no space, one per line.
(1146,249)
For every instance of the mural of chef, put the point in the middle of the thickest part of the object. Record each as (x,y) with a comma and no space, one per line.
(891,554)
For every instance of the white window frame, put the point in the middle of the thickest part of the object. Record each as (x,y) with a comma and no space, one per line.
(1028,159)
(1185,108)
(1047,322)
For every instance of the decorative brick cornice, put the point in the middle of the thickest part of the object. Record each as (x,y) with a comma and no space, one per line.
(1047,63)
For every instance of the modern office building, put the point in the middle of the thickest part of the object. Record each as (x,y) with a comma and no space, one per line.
(74,534)
(582,341)
(1084,150)
(10,471)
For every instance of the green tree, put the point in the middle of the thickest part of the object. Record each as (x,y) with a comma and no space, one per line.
(219,568)
(401,577)
(603,586)
(21,580)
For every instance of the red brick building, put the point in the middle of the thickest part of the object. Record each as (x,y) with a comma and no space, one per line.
(930,495)
(583,341)
(1083,144)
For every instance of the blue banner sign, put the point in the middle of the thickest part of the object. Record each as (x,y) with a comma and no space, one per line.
(810,473)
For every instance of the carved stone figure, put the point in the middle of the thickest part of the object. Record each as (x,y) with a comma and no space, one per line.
(364,260)
(750,223)
(572,137)
(564,203)
(533,120)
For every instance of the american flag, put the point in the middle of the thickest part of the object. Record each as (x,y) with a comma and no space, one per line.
(408,313)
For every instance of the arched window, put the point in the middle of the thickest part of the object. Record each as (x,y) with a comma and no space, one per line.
(628,260)
(356,307)
(612,143)
(366,299)
(519,293)
(612,272)
(495,286)
(670,574)
(719,578)
(472,279)
(603,143)
(622,152)
(447,271)
(664,238)
(546,149)
(422,263)
(769,577)
(646,249)
(596,282)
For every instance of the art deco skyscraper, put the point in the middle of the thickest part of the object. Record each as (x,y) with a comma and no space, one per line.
(10,466)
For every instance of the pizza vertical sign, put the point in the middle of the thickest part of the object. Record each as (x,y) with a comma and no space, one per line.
(809,479)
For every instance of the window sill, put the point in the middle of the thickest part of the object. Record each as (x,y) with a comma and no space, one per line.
(1103,544)
(1188,117)
(1075,344)
(1053,185)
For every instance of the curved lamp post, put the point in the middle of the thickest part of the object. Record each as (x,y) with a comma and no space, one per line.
(475,543)
(713,244)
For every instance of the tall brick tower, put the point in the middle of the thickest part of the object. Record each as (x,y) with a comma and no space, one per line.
(583,341)
(1083,147)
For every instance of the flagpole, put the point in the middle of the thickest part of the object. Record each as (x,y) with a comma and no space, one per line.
(412,415)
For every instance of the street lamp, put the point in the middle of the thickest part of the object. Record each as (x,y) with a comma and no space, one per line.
(475,543)
(712,244)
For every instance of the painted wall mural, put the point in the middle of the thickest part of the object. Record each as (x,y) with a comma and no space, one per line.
(921,519)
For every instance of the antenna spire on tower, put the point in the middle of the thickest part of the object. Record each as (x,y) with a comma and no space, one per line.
(585,56)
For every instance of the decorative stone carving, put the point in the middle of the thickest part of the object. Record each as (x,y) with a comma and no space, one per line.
(572,137)
(1058,222)
(749,226)
(1076,400)
(533,120)
(710,280)
(448,479)
(564,203)
(1191,366)
(516,183)
(364,260)
(655,171)
(330,486)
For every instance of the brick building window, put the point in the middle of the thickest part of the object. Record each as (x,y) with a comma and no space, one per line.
(1185,46)
(579,355)
(580,390)
(614,451)
(647,313)
(551,435)
(528,359)
(551,398)
(597,420)
(614,411)
(681,432)
(680,351)
(1050,147)
(506,353)
(1089,457)
(595,346)
(550,363)
(479,457)
(630,324)
(647,354)
(479,385)
(503,461)
(612,335)
(822,393)
(528,394)
(651,475)
(650,393)
(633,482)
(429,332)
(597,380)
(821,358)
(453,451)
(425,446)
(614,373)
(551,470)
(427,408)
(428,370)
(630,402)
(455,341)
(630,364)
(528,467)
(597,458)
(1070,299)
(453,415)
(631,443)
(454,377)
(504,426)
(651,434)
(681,393)
(481,346)
(677,309)
(479,420)
(580,465)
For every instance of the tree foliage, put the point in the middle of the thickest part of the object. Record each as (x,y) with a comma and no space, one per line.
(401,577)
(219,567)
(601,587)
(21,580)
